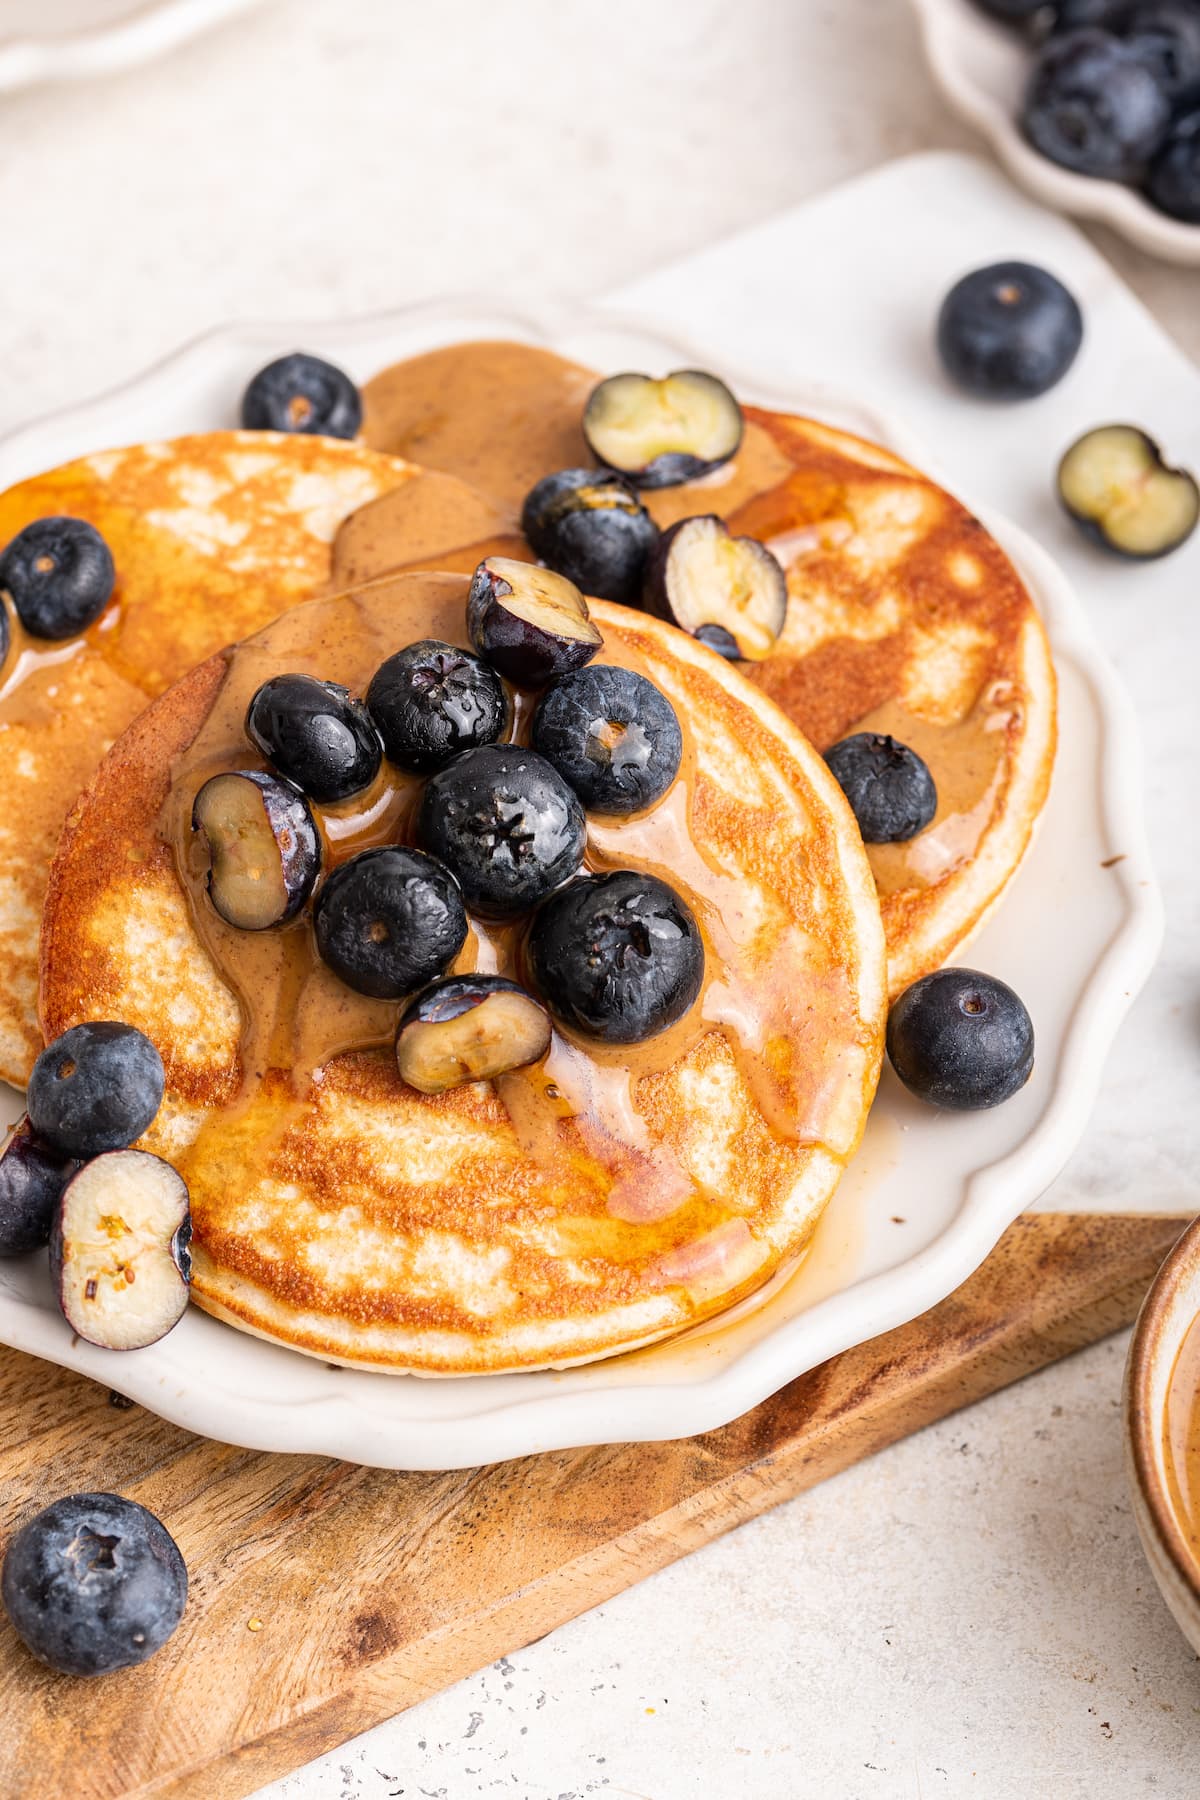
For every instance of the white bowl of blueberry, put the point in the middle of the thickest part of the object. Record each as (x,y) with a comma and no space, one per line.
(1093,105)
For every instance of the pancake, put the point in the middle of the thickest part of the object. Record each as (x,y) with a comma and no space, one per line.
(904,614)
(212,536)
(600,1200)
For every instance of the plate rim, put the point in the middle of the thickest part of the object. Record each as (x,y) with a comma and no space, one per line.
(150,29)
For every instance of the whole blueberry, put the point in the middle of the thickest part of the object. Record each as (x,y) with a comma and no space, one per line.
(612,735)
(1094,106)
(1009,331)
(32,1178)
(316,735)
(1165,36)
(618,957)
(589,525)
(388,921)
(95,1088)
(508,825)
(93,1583)
(1174,180)
(432,700)
(960,1040)
(889,787)
(1069,15)
(302,393)
(60,574)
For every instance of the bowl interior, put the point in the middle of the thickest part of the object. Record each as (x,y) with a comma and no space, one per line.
(1162,1388)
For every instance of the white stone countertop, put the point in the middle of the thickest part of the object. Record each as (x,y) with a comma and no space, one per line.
(968,1613)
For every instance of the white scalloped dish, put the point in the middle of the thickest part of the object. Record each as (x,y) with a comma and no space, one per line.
(929,1193)
(73,40)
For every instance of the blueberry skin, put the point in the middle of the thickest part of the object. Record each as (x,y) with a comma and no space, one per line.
(313,733)
(5,634)
(612,735)
(1165,36)
(1093,106)
(589,525)
(507,824)
(1174,181)
(305,394)
(1012,10)
(388,921)
(1069,15)
(960,1040)
(95,1088)
(93,1583)
(63,598)
(432,700)
(889,787)
(32,1178)
(1009,331)
(617,957)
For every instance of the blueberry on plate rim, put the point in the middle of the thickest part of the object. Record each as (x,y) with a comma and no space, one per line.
(590,526)
(504,820)
(32,1178)
(262,844)
(890,789)
(663,432)
(431,700)
(960,1040)
(119,1255)
(93,1583)
(305,394)
(612,735)
(1009,331)
(1115,485)
(727,591)
(313,733)
(1093,106)
(389,920)
(469,1028)
(59,575)
(95,1088)
(532,624)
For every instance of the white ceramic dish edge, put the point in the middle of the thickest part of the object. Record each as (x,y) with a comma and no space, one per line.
(79,55)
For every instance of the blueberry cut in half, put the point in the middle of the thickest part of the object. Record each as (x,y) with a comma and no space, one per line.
(529,623)
(617,957)
(1093,106)
(612,735)
(32,1178)
(660,433)
(469,1028)
(119,1250)
(60,574)
(316,735)
(432,700)
(264,849)
(589,525)
(302,393)
(93,1583)
(506,822)
(1009,331)
(95,1088)
(388,921)
(961,1040)
(1117,487)
(889,787)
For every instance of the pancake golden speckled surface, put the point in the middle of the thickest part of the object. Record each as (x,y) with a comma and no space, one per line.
(602,1199)
(212,536)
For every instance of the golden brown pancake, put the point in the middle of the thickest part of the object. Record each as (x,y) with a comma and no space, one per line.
(905,616)
(602,1199)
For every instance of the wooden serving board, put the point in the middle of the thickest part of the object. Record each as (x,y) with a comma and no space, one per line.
(327,1597)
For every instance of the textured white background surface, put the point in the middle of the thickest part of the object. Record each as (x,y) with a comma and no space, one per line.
(969,1613)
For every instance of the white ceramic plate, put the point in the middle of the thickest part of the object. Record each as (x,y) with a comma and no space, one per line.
(928,1195)
(982,66)
(70,40)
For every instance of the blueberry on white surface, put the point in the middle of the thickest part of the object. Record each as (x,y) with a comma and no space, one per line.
(960,1040)
(1009,331)
(1115,485)
(119,1252)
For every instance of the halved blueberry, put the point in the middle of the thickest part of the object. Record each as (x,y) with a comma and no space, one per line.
(432,700)
(388,921)
(60,574)
(264,850)
(720,589)
(1115,485)
(617,957)
(612,735)
(529,623)
(32,1178)
(1009,331)
(469,1028)
(960,1039)
(302,393)
(1093,106)
(889,787)
(316,735)
(119,1253)
(1174,180)
(508,825)
(589,525)
(95,1088)
(660,433)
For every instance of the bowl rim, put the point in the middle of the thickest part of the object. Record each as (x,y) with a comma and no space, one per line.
(1145,1423)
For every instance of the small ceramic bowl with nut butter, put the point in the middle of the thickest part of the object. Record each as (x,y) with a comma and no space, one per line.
(1162,1430)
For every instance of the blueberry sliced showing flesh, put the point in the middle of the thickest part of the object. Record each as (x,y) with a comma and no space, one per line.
(469,1028)
(612,735)
(95,1088)
(60,574)
(889,787)
(264,850)
(432,700)
(93,1583)
(32,1178)
(316,735)
(1174,180)
(589,525)
(1009,331)
(1115,485)
(529,623)
(388,921)
(507,824)
(617,957)
(699,577)
(663,432)
(119,1252)
(305,394)
(961,1040)
(1093,106)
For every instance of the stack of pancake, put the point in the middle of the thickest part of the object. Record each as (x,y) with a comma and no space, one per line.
(603,1199)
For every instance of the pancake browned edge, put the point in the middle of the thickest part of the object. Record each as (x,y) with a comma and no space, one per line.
(211,536)
(365,1223)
